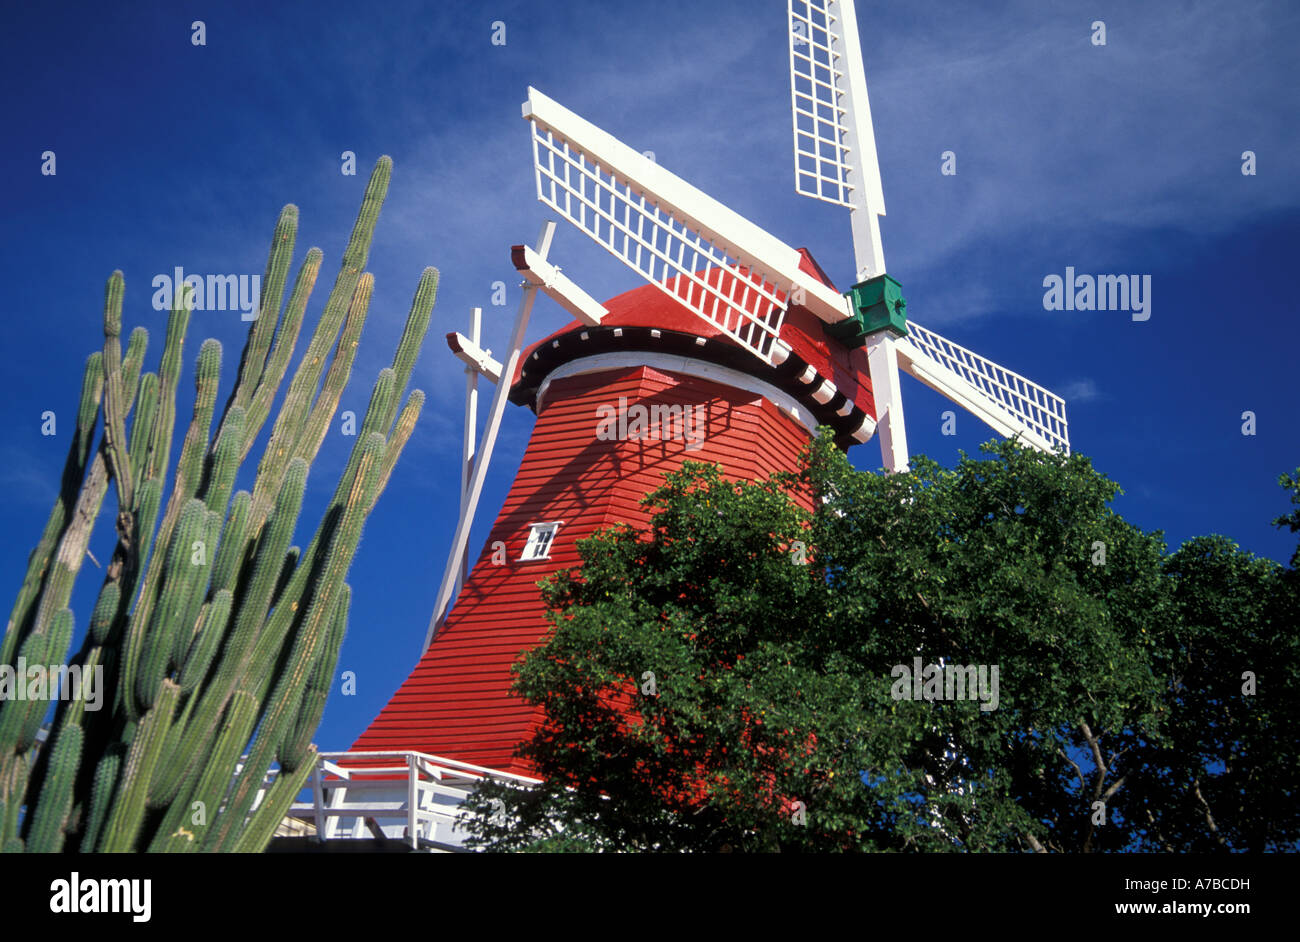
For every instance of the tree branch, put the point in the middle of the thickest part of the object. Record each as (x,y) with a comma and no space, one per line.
(1155,828)
(1114,788)
(1083,782)
(1094,743)
(1209,818)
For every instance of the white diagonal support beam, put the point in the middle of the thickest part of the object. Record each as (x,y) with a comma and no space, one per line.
(472,372)
(460,541)
(558,286)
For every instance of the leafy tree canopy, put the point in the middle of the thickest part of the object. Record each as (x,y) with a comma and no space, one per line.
(730,677)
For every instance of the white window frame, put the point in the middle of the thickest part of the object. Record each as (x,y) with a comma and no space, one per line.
(539,532)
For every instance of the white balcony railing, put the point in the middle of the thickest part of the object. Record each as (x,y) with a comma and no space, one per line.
(407,796)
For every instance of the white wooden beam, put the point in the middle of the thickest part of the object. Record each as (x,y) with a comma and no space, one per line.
(868,196)
(472,371)
(882,360)
(412,804)
(558,286)
(460,541)
(476,359)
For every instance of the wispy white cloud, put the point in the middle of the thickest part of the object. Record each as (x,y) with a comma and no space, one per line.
(1080,391)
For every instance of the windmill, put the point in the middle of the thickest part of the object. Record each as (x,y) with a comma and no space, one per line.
(647,217)
(733,329)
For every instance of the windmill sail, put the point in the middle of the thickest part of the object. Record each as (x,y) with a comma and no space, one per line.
(716,263)
(835,161)
(834,141)
(738,277)
(1009,403)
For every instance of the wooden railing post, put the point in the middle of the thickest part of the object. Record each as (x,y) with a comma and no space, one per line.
(318,798)
(412,809)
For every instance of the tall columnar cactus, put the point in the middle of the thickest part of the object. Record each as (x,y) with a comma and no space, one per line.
(216,638)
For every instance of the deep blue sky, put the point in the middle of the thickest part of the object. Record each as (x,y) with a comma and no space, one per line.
(1117,159)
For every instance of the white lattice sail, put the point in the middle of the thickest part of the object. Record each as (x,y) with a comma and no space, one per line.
(1009,403)
(817,107)
(717,264)
(834,141)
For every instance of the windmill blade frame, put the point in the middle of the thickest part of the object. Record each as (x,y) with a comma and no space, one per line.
(835,157)
(1009,403)
(669,232)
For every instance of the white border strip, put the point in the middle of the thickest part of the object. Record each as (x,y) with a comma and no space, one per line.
(668,363)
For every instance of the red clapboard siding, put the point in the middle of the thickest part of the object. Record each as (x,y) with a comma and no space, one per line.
(457,701)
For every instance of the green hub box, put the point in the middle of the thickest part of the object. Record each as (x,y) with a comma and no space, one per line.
(877,304)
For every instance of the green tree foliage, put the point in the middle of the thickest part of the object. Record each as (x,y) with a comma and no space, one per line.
(726,678)
(1291,482)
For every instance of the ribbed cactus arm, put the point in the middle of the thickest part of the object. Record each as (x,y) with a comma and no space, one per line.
(217,637)
(74,469)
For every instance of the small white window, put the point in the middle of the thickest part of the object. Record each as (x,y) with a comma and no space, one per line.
(539,541)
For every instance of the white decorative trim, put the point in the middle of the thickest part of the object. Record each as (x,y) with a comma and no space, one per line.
(669,363)
(865,430)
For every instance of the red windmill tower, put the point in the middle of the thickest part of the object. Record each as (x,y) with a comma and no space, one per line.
(618,405)
(736,350)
